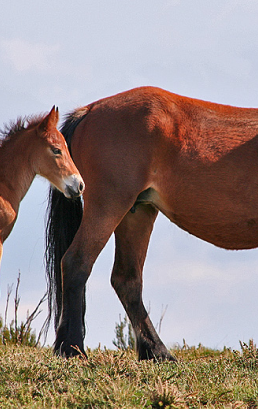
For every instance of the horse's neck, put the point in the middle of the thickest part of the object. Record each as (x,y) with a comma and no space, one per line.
(16,173)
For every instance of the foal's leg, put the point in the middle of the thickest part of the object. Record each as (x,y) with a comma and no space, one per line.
(132,239)
(77,263)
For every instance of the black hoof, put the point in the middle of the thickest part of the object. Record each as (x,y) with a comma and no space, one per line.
(157,357)
(157,354)
(69,351)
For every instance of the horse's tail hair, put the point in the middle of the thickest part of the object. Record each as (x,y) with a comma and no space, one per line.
(62,222)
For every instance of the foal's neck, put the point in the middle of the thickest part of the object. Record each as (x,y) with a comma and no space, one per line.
(16,171)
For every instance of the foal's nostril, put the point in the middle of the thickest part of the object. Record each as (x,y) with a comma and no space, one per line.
(81,186)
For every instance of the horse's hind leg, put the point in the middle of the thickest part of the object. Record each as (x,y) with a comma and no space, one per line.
(132,239)
(77,263)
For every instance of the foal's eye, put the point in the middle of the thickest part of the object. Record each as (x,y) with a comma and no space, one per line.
(56,151)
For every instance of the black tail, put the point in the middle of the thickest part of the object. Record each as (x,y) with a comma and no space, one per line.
(63,220)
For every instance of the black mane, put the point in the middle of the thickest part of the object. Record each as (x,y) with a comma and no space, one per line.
(71,121)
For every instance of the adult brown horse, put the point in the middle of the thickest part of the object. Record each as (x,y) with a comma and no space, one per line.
(140,152)
(27,150)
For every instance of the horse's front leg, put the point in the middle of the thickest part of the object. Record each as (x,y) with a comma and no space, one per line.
(132,239)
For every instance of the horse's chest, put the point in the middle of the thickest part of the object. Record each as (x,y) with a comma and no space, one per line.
(7,218)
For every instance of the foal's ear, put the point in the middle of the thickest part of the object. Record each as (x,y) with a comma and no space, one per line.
(50,121)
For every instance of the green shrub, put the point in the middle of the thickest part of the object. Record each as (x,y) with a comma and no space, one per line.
(124,341)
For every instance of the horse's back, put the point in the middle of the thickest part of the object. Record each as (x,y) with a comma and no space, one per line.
(157,116)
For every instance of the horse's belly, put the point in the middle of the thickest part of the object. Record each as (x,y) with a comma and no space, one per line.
(229,235)
(224,224)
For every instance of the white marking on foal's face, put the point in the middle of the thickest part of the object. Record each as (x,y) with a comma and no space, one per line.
(73,186)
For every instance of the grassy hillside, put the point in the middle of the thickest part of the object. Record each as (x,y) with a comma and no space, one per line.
(33,378)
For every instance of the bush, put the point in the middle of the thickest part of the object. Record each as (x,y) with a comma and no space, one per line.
(124,341)
(22,334)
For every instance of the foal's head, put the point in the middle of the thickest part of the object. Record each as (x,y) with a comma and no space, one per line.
(52,159)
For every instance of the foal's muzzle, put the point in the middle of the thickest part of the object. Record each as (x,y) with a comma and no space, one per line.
(74,187)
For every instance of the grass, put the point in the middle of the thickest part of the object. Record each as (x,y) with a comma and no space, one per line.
(33,378)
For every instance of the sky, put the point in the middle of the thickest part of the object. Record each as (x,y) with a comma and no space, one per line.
(70,54)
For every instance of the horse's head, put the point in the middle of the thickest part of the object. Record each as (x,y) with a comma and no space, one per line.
(53,160)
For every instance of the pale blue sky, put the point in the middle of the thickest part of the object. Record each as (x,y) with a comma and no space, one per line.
(70,54)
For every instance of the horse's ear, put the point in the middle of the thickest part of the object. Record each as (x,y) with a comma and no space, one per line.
(50,121)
